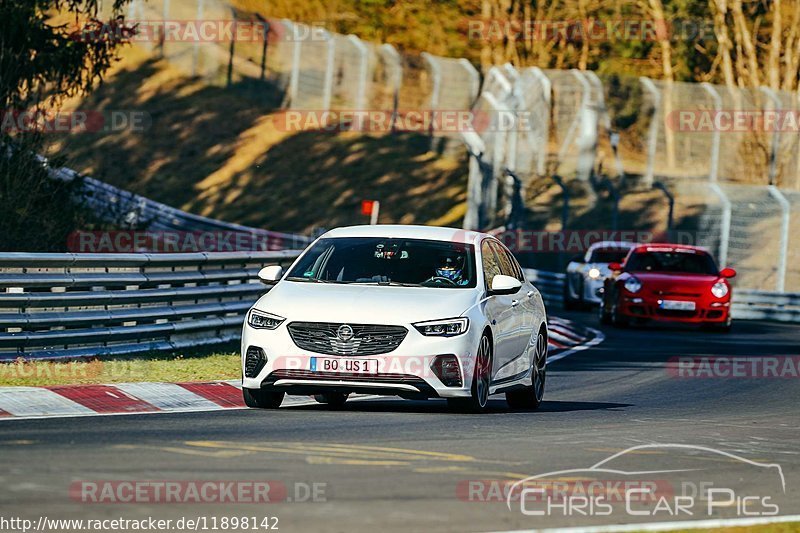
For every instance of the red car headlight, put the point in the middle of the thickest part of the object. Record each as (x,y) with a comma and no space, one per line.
(720,289)
(633,285)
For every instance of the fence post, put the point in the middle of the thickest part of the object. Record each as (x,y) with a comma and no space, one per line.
(776,137)
(786,209)
(264,46)
(547,89)
(232,49)
(436,85)
(327,87)
(165,16)
(294,77)
(361,90)
(671,199)
(396,78)
(196,50)
(725,225)
(475,79)
(714,168)
(652,134)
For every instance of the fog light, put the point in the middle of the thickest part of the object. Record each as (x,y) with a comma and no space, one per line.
(447,369)
(254,361)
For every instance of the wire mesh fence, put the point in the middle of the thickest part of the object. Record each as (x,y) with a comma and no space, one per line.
(724,155)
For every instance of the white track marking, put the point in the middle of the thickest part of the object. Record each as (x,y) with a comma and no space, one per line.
(168,396)
(598,338)
(670,526)
(38,402)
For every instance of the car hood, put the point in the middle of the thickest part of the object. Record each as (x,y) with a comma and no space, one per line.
(364,304)
(675,283)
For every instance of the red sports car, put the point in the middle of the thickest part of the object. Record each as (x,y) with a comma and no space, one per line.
(668,282)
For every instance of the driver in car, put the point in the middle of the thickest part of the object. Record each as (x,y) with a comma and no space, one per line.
(451,268)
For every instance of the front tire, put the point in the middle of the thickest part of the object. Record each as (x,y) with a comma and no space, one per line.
(530,398)
(261,399)
(481,381)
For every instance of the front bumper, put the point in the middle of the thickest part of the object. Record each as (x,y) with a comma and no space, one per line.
(406,371)
(649,308)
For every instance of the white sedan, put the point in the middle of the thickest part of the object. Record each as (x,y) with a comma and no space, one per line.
(411,311)
(586,272)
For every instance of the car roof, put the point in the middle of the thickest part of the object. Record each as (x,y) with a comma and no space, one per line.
(612,244)
(668,247)
(404,231)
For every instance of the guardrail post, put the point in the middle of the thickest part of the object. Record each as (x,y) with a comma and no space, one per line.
(652,134)
(725,225)
(780,286)
(713,170)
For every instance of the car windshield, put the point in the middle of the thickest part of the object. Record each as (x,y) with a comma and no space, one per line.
(683,262)
(387,261)
(608,255)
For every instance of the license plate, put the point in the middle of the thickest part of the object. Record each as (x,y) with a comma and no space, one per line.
(677,305)
(346,365)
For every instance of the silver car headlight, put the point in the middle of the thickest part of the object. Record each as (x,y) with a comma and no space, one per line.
(263,320)
(720,289)
(443,328)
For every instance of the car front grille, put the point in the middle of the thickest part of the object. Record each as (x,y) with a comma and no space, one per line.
(367,339)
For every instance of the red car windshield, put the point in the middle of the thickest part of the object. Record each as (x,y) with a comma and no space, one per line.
(608,255)
(679,262)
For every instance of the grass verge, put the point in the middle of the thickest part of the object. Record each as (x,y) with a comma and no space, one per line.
(183,366)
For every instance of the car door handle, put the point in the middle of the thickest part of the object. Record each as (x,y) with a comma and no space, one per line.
(530,293)
(514,303)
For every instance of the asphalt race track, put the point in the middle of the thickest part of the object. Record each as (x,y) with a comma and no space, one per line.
(391,465)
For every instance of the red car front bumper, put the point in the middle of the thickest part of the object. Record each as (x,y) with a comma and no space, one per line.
(706,311)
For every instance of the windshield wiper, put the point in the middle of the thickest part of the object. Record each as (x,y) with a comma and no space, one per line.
(313,280)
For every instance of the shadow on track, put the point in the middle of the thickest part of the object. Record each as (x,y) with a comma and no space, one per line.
(496,406)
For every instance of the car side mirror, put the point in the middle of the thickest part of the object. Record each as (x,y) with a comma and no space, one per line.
(615,267)
(271,274)
(502,284)
(727,273)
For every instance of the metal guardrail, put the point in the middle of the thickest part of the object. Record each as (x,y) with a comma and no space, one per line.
(550,285)
(747,304)
(84,305)
(764,305)
(87,305)
(126,209)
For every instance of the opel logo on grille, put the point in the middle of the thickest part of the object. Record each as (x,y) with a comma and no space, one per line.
(345,333)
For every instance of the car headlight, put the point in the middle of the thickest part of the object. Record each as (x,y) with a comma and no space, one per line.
(720,289)
(443,328)
(633,285)
(594,273)
(262,320)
